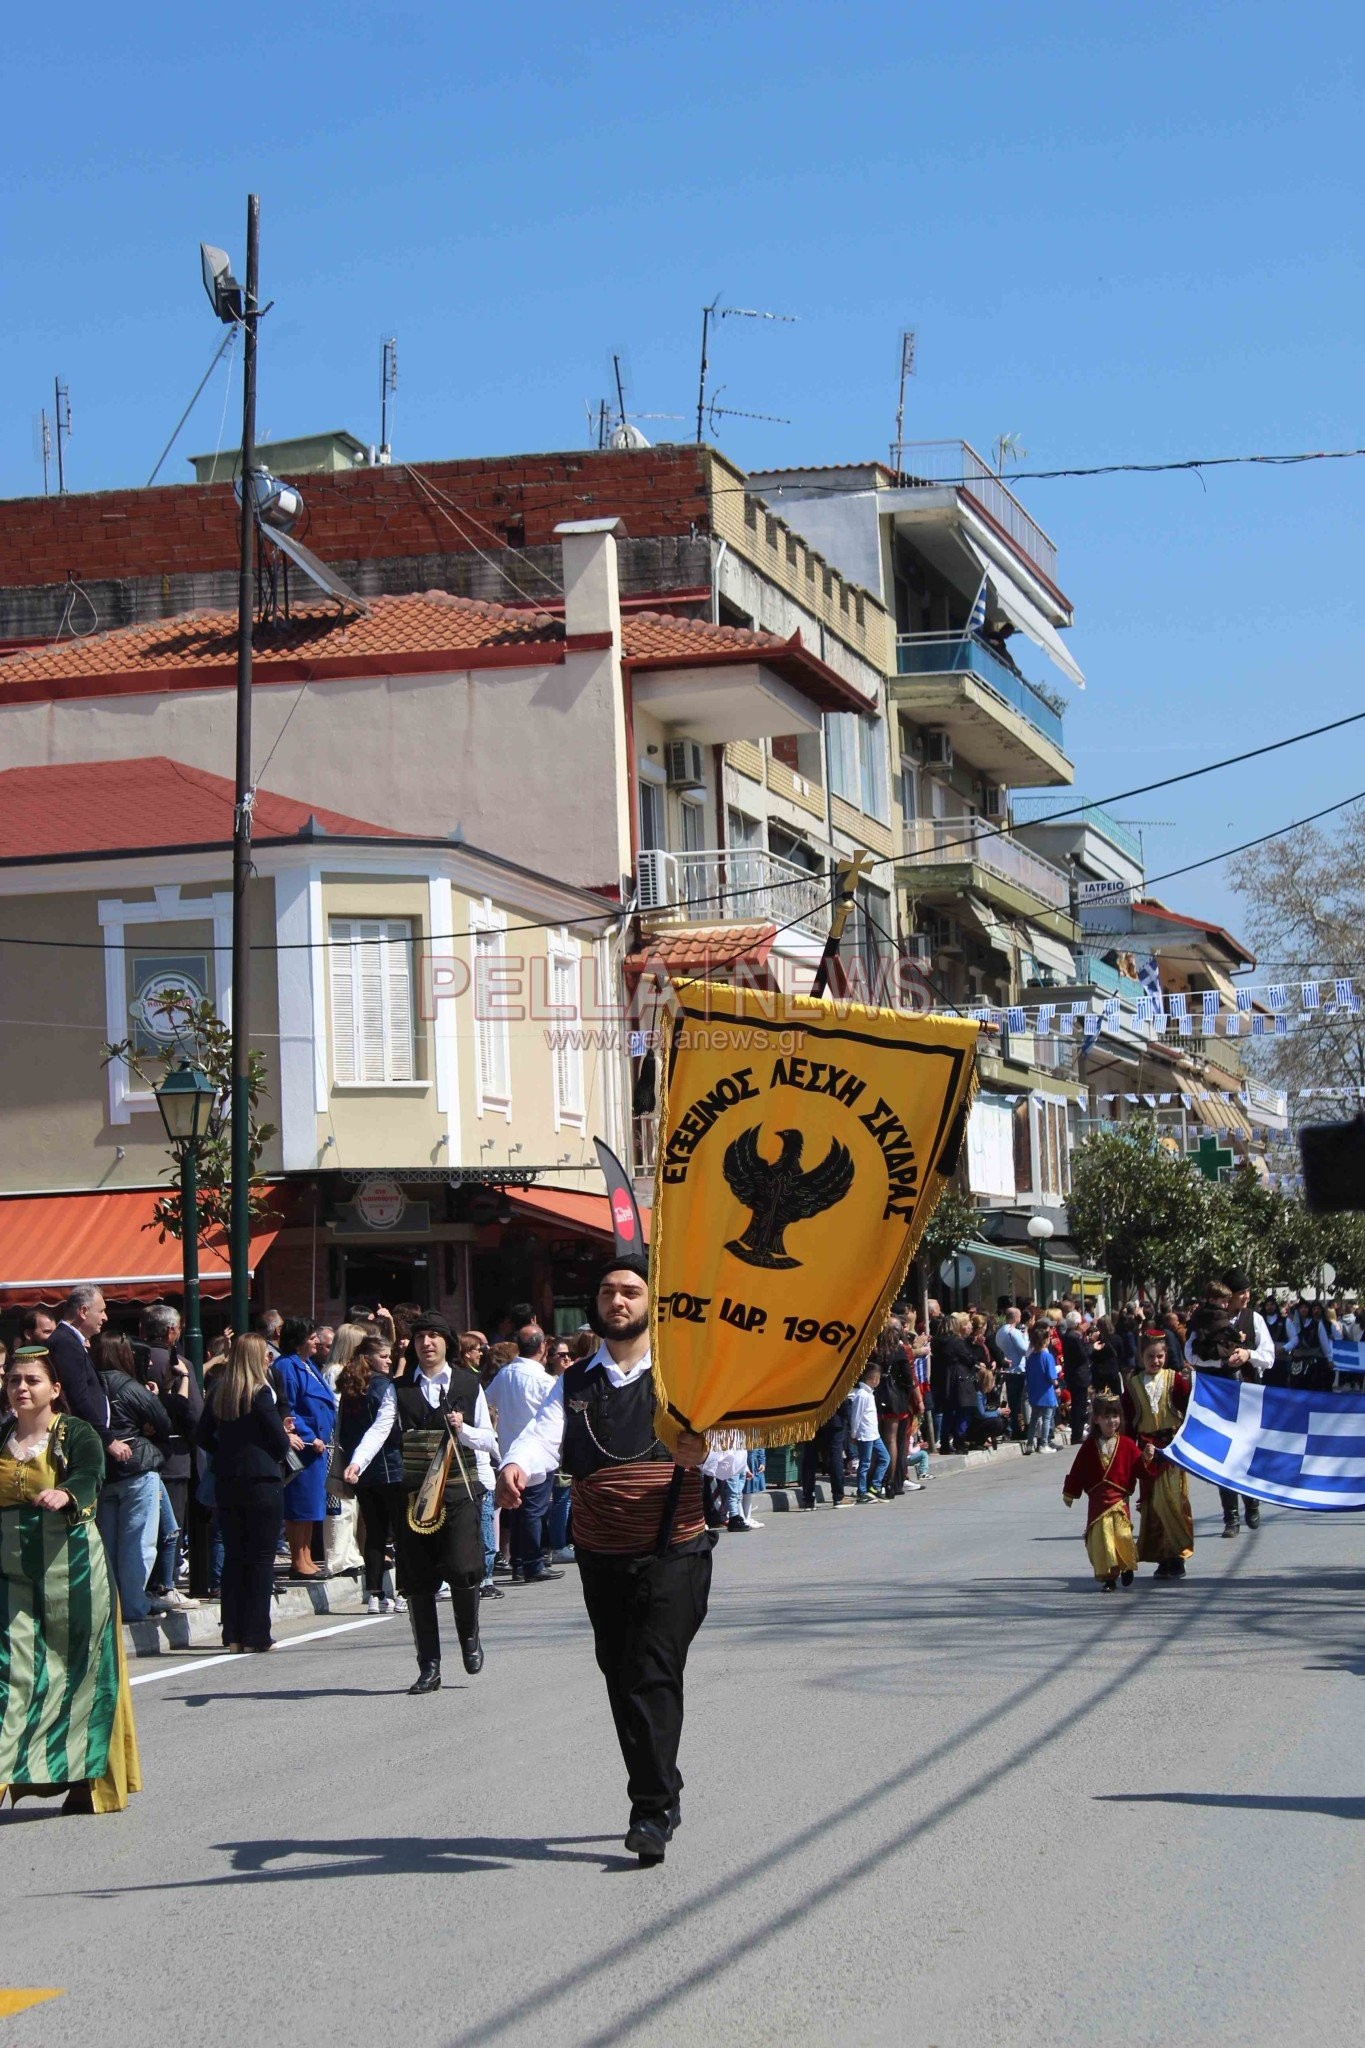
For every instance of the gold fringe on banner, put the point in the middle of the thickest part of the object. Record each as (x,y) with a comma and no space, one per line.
(821,1118)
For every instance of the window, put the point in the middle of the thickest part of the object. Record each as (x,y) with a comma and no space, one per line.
(652,833)
(1050,1149)
(871,768)
(567,1037)
(490,1026)
(857,766)
(373,1035)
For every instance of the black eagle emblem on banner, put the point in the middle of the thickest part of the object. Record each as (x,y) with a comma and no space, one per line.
(780,1193)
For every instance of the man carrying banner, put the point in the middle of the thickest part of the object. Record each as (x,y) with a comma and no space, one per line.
(1154,1402)
(641,1542)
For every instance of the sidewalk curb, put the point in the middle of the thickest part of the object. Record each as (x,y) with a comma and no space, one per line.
(198,1628)
(785,1500)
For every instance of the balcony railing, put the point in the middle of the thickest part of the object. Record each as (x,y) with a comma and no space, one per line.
(947,841)
(957,462)
(1038,810)
(740,885)
(939,654)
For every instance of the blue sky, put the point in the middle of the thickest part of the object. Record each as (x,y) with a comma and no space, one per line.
(1121,233)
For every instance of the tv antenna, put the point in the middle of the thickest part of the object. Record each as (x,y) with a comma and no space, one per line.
(907,372)
(388,385)
(61,409)
(42,444)
(615,427)
(715,312)
(1008,448)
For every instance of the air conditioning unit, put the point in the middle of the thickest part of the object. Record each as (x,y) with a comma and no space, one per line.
(684,765)
(994,799)
(938,750)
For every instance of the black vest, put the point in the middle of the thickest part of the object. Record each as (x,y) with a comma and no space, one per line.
(606,1424)
(355,1417)
(423,1435)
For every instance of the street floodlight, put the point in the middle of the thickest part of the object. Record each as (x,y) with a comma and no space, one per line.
(225,294)
(277,505)
(185,1099)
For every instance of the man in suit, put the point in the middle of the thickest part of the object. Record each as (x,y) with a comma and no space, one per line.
(83,1316)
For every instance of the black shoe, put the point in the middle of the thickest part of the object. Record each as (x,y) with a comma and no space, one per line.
(473,1657)
(1253,1514)
(428,1679)
(647,1840)
(1163,1571)
(1109,1585)
(491,1592)
(737,1525)
(1126,1578)
(1232,1525)
(541,1578)
(1177,1570)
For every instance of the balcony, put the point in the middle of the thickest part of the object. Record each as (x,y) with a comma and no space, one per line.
(984,854)
(1039,810)
(744,885)
(957,462)
(1001,724)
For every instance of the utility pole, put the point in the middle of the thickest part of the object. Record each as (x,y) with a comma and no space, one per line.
(239,1235)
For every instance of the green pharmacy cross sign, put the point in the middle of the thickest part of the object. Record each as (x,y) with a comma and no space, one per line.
(1213,1159)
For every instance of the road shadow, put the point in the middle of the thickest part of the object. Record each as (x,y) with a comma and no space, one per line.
(318,1692)
(1253,1802)
(287,1860)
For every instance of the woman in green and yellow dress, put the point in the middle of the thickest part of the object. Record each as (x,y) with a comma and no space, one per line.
(66,1715)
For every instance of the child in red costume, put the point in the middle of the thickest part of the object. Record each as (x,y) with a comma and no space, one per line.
(1106,1470)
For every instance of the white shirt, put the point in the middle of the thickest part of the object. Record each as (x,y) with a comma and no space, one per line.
(863,1414)
(1262,1351)
(478,1436)
(515,1395)
(537,1448)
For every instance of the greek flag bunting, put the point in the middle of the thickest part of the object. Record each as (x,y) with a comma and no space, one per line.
(1308,995)
(1277,995)
(1278,1444)
(1345,993)
(1244,998)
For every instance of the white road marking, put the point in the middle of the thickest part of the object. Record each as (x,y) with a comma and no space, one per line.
(338,1628)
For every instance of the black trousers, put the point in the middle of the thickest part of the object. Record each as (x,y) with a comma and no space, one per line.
(383,1512)
(529,1526)
(644,1613)
(250,1517)
(1234,1503)
(830,1442)
(454,1553)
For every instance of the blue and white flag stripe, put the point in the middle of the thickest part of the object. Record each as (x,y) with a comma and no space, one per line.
(1293,1449)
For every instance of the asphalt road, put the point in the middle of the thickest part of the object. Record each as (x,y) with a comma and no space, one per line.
(939,1790)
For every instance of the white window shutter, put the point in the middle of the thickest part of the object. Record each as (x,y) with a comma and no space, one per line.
(398,991)
(369,974)
(343,1003)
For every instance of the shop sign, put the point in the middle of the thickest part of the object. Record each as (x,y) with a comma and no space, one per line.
(380,1202)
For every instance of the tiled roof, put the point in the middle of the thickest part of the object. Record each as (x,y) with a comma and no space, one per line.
(117,806)
(702,949)
(432,623)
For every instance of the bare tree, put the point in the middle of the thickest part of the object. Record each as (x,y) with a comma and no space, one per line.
(1305,898)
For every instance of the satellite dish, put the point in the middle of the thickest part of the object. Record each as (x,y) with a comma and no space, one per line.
(625,435)
(225,294)
(317,572)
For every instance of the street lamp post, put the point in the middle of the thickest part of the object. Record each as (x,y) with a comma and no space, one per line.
(185,1099)
(1040,1230)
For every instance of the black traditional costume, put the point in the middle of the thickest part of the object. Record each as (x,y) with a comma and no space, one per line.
(451,1553)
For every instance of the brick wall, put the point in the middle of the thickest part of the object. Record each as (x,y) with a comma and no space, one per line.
(359,515)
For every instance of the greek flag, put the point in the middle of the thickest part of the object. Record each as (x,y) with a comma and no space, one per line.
(1348,1356)
(1297,1450)
(976,623)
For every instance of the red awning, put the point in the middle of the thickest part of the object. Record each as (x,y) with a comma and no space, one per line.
(51,1243)
(575,1211)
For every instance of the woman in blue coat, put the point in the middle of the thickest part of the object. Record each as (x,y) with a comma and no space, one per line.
(305,1395)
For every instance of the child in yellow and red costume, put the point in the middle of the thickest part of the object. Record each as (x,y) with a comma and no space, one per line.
(1105,1470)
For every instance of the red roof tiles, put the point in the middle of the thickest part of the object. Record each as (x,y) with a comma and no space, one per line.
(426,632)
(704,949)
(122,806)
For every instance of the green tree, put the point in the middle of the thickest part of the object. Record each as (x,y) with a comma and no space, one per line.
(198,1032)
(1140,1210)
(954,1223)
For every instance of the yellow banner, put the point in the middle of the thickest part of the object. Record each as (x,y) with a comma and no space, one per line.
(802,1150)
